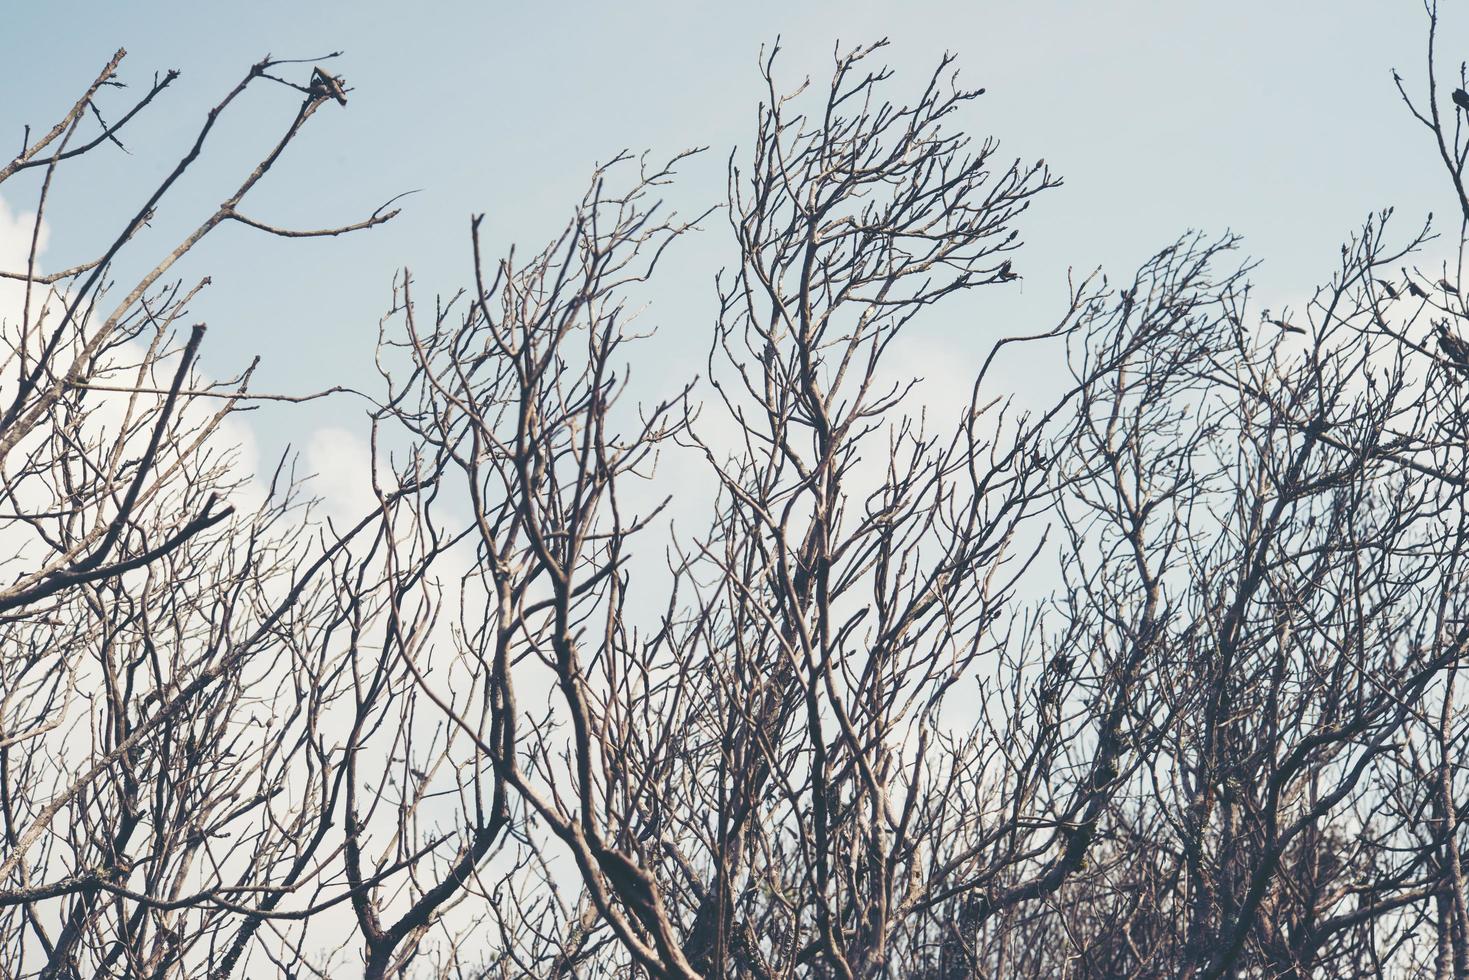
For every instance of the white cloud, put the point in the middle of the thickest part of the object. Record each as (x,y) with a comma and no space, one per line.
(340,464)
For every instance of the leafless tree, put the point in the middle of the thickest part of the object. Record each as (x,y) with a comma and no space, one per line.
(1150,671)
(151,768)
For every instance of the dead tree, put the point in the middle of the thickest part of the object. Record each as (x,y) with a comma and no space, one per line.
(1151,671)
(147,751)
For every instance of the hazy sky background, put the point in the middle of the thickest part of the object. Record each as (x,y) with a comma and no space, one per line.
(1276,120)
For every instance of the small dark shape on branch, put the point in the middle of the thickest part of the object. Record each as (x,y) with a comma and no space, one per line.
(802,579)
(1454,348)
(326,83)
(1387,287)
(1461,99)
(1414,291)
(1287,327)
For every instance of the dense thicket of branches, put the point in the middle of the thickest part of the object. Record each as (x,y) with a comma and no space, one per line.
(473,735)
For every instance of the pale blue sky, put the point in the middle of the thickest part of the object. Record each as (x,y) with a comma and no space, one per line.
(1277,120)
